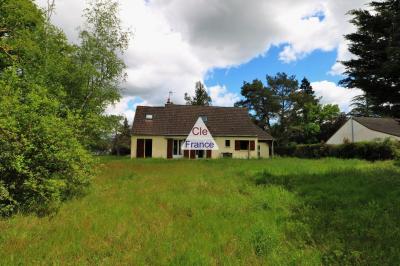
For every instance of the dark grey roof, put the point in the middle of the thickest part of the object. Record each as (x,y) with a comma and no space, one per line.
(384,125)
(178,120)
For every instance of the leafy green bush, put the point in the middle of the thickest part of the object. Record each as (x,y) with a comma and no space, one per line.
(42,161)
(372,151)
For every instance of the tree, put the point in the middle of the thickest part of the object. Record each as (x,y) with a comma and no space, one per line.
(376,44)
(122,139)
(289,112)
(201,96)
(96,83)
(260,101)
(42,161)
(284,88)
(330,127)
(362,106)
(307,92)
(52,101)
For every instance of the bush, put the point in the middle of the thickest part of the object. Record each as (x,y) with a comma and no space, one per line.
(42,161)
(372,151)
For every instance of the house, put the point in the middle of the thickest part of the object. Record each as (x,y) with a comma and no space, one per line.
(358,129)
(159,132)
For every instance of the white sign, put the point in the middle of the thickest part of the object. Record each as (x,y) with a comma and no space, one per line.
(199,138)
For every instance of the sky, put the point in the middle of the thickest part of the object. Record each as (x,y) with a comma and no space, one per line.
(223,43)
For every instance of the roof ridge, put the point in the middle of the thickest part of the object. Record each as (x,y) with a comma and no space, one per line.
(196,106)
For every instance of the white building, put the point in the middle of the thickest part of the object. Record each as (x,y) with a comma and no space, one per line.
(359,129)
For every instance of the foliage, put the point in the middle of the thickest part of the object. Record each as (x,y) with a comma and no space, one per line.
(284,88)
(98,79)
(121,143)
(376,44)
(260,101)
(314,121)
(201,96)
(362,106)
(53,98)
(291,113)
(42,161)
(372,151)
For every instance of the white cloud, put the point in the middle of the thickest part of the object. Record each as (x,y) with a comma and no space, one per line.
(222,97)
(125,107)
(177,42)
(333,94)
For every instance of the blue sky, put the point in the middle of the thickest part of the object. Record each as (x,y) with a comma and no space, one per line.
(315,67)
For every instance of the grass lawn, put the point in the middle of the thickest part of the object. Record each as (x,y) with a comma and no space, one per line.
(230,212)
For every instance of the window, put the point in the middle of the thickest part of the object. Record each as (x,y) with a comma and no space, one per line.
(227,143)
(204,118)
(244,144)
(241,145)
(149,117)
(177,147)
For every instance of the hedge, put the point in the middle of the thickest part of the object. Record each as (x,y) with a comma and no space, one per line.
(372,151)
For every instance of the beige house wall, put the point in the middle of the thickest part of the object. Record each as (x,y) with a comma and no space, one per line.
(264,149)
(360,133)
(160,147)
(244,154)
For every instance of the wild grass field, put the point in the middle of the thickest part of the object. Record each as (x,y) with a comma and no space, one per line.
(219,212)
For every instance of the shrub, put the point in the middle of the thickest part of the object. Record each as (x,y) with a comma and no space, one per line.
(42,161)
(372,151)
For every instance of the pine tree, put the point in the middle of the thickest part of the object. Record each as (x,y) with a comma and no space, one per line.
(362,106)
(376,44)
(201,96)
(260,101)
(307,90)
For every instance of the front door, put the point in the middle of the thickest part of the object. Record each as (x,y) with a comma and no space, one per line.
(140,148)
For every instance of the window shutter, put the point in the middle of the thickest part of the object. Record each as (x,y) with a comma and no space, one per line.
(140,148)
(186,153)
(252,145)
(237,145)
(169,148)
(209,153)
(192,154)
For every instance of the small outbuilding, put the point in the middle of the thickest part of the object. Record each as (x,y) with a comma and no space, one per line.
(358,129)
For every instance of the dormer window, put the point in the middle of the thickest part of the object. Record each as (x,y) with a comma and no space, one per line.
(204,118)
(149,117)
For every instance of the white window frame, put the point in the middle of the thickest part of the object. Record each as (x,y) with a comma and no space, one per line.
(178,142)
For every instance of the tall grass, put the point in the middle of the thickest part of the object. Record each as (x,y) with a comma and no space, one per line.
(233,212)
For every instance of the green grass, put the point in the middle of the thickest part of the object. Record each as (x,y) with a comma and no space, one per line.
(220,212)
